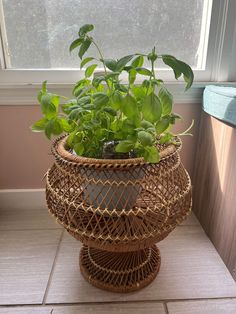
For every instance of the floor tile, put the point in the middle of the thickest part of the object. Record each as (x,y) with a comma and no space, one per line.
(203,307)
(126,308)
(191,268)
(26,310)
(25,219)
(19,219)
(25,264)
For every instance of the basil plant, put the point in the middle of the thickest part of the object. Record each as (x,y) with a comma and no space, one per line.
(109,118)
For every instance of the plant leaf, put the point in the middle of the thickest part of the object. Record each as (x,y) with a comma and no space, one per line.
(84,47)
(110,110)
(172,62)
(85,29)
(112,75)
(74,114)
(97,80)
(145,138)
(100,99)
(166,100)
(179,68)
(151,108)
(85,61)
(151,154)
(79,148)
(166,138)
(44,87)
(121,87)
(66,126)
(66,107)
(139,91)
(57,127)
(77,91)
(70,138)
(157,82)
(162,125)
(122,62)
(39,125)
(124,146)
(48,129)
(144,71)
(128,126)
(84,100)
(137,62)
(116,100)
(128,68)
(174,117)
(80,83)
(53,127)
(146,124)
(130,109)
(187,74)
(76,43)
(49,103)
(90,69)
(132,76)
(42,91)
(110,64)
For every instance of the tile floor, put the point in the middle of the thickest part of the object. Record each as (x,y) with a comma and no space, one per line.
(39,273)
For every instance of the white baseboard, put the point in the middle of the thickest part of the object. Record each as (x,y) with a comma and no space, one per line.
(22,199)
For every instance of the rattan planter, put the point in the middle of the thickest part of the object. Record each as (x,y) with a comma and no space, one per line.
(92,199)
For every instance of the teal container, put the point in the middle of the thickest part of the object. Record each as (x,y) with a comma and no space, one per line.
(220,102)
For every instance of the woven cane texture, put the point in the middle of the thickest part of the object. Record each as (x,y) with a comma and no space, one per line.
(118,205)
(120,272)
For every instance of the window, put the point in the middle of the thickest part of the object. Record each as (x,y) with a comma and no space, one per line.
(35,35)
(41,39)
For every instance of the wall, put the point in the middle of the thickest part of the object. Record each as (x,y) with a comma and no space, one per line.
(214,196)
(25,156)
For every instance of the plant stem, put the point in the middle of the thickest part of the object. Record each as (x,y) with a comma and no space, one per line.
(186,131)
(153,72)
(101,56)
(100,53)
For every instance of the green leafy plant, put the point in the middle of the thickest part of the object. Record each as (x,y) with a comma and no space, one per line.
(107,117)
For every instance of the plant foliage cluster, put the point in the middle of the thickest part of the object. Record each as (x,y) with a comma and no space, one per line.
(104,110)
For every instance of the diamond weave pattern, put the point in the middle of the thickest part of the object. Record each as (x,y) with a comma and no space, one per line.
(118,206)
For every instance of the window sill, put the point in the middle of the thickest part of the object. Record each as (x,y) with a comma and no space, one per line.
(26,94)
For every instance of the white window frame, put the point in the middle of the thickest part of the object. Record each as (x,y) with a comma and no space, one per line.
(220,60)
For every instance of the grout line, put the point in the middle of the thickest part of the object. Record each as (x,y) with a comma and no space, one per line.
(45,305)
(52,269)
(165,308)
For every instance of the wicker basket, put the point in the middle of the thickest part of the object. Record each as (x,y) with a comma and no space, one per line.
(118,209)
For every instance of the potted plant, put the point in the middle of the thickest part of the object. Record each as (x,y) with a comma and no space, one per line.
(108,119)
(117,183)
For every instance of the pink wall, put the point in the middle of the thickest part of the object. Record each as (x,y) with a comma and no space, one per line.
(25,156)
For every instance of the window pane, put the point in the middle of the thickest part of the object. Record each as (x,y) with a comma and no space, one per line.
(39,32)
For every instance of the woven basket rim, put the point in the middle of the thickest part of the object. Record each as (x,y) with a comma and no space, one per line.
(60,148)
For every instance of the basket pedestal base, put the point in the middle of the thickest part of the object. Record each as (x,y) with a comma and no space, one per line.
(120,272)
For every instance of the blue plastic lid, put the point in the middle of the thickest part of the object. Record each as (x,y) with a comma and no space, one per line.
(227,91)
(220,102)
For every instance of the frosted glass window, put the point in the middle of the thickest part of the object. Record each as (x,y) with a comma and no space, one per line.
(38,33)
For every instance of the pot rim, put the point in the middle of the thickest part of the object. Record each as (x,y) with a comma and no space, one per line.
(60,148)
